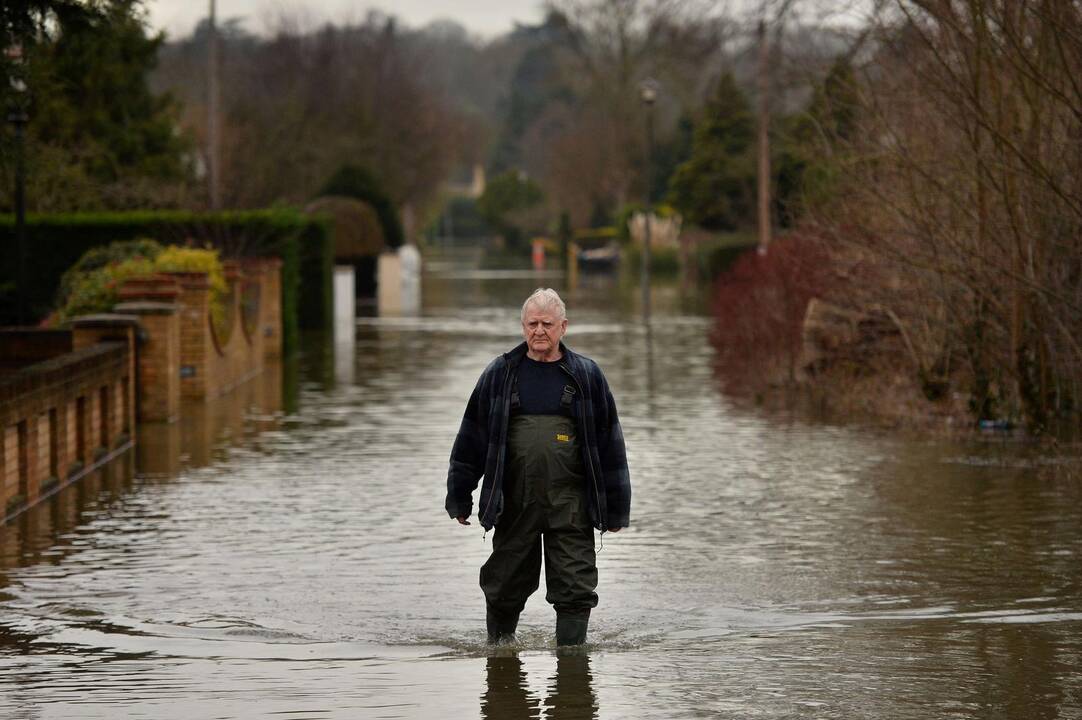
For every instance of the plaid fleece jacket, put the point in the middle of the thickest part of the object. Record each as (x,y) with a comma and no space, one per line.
(481,445)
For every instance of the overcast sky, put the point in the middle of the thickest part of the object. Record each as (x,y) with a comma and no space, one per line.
(481,17)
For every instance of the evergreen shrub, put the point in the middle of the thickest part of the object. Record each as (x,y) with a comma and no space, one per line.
(57,241)
(90,287)
(361,184)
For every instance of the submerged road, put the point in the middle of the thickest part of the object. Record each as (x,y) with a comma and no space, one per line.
(286,552)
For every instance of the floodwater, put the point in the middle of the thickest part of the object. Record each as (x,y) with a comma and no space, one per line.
(284,552)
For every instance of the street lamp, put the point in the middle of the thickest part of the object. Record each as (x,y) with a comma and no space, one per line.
(648,94)
(213,141)
(18,118)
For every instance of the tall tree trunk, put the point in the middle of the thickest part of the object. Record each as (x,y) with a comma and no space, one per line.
(764,140)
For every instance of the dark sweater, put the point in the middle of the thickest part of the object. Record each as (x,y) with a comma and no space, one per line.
(540,389)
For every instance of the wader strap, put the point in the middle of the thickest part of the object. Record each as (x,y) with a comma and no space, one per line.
(567,397)
(515,402)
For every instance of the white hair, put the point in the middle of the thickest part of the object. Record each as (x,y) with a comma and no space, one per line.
(545,299)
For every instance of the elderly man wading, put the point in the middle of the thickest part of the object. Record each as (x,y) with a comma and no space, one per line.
(541,426)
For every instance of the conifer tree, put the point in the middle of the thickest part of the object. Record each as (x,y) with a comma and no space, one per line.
(714,188)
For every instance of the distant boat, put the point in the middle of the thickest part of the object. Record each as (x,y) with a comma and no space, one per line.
(600,259)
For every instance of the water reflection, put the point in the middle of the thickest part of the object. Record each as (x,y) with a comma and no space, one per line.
(507,694)
(207,430)
(204,435)
(651,384)
(570,693)
(35,536)
(345,324)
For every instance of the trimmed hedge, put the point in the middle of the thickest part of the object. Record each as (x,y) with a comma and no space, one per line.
(360,183)
(56,242)
(596,237)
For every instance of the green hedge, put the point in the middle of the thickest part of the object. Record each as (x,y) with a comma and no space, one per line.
(360,183)
(596,237)
(56,242)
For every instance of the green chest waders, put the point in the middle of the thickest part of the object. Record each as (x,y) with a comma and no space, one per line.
(544,490)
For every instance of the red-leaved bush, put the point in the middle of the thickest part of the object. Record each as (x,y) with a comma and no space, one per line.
(759,307)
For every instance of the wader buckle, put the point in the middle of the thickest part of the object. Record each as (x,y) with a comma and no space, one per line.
(567,397)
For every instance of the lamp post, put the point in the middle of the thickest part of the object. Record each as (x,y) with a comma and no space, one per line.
(648,95)
(213,150)
(18,118)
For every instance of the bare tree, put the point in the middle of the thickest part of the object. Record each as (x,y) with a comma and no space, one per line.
(598,142)
(965,185)
(299,104)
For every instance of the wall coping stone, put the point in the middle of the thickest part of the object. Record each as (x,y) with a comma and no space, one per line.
(145,307)
(158,286)
(54,370)
(105,320)
(24,330)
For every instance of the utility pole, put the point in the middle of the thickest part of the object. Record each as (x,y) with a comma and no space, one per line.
(213,160)
(18,118)
(764,140)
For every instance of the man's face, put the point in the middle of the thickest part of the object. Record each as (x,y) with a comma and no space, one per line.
(543,330)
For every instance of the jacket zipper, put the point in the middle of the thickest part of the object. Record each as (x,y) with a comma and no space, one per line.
(589,459)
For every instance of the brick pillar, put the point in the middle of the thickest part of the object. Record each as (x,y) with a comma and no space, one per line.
(154,300)
(195,341)
(236,361)
(9,465)
(93,424)
(83,450)
(69,453)
(29,447)
(157,387)
(253,285)
(42,448)
(270,307)
(122,413)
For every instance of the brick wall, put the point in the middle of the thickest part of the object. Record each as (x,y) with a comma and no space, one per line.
(243,355)
(156,376)
(195,340)
(44,410)
(70,434)
(270,307)
(92,329)
(64,416)
(9,457)
(209,366)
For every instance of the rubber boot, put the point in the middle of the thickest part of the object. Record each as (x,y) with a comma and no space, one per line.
(571,628)
(500,629)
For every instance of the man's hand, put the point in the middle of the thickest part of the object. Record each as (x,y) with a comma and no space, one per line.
(462,520)
(615,530)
